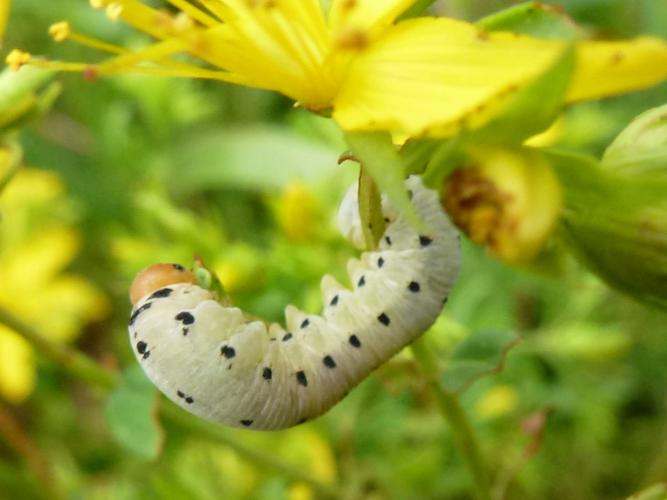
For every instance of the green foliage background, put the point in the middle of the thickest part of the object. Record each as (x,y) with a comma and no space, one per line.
(160,170)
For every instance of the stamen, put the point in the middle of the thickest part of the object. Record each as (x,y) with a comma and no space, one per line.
(17,58)
(193,12)
(63,31)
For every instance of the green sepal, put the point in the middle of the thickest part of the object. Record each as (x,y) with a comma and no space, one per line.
(533,109)
(370,210)
(378,155)
(535,19)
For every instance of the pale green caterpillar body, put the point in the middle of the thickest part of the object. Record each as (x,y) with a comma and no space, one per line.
(214,362)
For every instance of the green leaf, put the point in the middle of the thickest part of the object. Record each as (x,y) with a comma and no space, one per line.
(262,159)
(131,415)
(534,18)
(379,157)
(481,353)
(655,492)
(642,146)
(533,109)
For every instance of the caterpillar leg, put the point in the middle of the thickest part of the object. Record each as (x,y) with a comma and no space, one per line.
(215,363)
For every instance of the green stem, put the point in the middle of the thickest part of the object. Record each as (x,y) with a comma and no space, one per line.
(417,9)
(73,362)
(84,368)
(450,407)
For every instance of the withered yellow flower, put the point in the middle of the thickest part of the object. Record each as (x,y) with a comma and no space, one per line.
(418,77)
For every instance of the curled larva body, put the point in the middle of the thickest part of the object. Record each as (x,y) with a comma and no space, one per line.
(215,363)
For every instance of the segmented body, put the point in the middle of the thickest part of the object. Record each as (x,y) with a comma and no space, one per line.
(217,364)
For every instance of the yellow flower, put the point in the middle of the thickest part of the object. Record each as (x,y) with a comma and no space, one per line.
(35,246)
(508,201)
(424,76)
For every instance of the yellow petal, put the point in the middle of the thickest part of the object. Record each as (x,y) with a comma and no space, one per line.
(17,367)
(365,16)
(425,76)
(608,68)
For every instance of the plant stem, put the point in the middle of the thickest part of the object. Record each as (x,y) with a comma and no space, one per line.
(84,368)
(450,407)
(70,360)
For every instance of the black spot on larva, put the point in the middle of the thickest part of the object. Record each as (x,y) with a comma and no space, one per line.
(413,286)
(329,362)
(354,340)
(425,241)
(267,373)
(444,301)
(334,300)
(227,351)
(185,331)
(180,394)
(141,347)
(388,240)
(189,400)
(162,293)
(386,219)
(141,309)
(287,336)
(410,193)
(380,262)
(246,423)
(384,319)
(146,355)
(361,282)
(305,323)
(301,378)
(178,267)
(185,317)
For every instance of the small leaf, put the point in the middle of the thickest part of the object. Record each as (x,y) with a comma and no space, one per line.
(262,159)
(370,210)
(131,415)
(480,354)
(533,18)
(379,157)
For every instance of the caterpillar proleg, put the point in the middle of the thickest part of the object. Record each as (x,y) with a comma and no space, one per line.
(215,363)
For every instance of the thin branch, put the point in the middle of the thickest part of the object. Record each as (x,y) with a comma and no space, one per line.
(463,434)
(12,433)
(84,368)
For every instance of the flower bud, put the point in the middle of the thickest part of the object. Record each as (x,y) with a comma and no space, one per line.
(616,211)
(642,146)
(505,200)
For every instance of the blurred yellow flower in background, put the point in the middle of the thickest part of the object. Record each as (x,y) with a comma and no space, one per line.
(37,242)
(418,77)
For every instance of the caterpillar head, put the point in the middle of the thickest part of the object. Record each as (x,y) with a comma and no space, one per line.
(158,276)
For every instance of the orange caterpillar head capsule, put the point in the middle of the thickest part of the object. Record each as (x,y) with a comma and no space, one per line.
(157,276)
